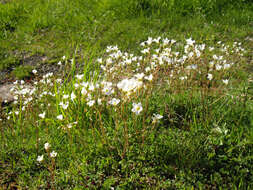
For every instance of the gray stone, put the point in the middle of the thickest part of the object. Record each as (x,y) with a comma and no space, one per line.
(5,93)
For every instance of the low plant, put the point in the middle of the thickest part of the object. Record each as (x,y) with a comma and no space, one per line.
(22,72)
(174,116)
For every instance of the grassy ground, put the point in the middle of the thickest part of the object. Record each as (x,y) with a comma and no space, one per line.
(54,28)
(181,120)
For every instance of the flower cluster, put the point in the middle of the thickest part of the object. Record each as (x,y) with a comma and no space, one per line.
(126,81)
(52,154)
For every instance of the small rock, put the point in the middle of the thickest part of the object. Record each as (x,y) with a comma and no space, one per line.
(5,93)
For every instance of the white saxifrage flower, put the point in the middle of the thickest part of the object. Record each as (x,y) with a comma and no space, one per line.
(42,115)
(114,101)
(91,103)
(76,85)
(128,85)
(53,154)
(40,158)
(72,96)
(137,108)
(46,146)
(65,96)
(64,106)
(139,76)
(149,78)
(34,71)
(83,91)
(79,77)
(156,117)
(209,76)
(107,90)
(99,100)
(91,87)
(218,67)
(225,81)
(60,117)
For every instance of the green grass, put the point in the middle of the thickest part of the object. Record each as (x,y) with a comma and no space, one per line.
(54,28)
(204,138)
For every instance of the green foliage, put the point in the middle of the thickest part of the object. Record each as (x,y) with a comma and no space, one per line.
(204,139)
(22,72)
(186,7)
(199,144)
(32,26)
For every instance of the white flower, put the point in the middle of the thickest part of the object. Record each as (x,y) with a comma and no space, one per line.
(53,154)
(99,101)
(79,77)
(34,71)
(46,146)
(91,103)
(183,78)
(166,41)
(225,81)
(226,66)
(149,41)
(145,51)
(91,87)
(137,108)
(153,65)
(193,66)
(107,90)
(190,41)
(149,78)
(173,41)
(58,80)
(42,115)
(84,91)
(65,96)
(139,76)
(109,61)
(59,63)
(60,117)
(190,54)
(64,106)
(64,57)
(99,60)
(72,96)
(70,125)
(114,101)
(40,158)
(209,76)
(218,67)
(103,67)
(147,69)
(142,44)
(211,64)
(128,85)
(156,117)
(76,85)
